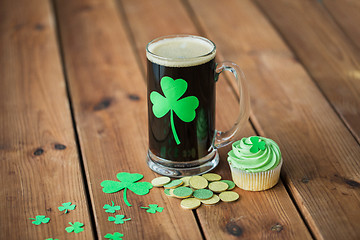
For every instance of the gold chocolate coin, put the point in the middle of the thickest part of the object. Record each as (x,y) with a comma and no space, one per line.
(160,181)
(229,196)
(174,184)
(212,177)
(218,187)
(198,182)
(190,203)
(182,192)
(211,201)
(186,181)
(230,183)
(203,194)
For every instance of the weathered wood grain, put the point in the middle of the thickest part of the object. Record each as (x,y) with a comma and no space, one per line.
(39,163)
(109,99)
(321,158)
(346,15)
(328,55)
(254,215)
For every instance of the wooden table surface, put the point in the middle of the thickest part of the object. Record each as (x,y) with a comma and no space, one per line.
(73,113)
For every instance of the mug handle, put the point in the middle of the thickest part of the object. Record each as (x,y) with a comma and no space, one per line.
(224,138)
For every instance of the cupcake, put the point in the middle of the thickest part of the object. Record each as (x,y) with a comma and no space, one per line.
(255,163)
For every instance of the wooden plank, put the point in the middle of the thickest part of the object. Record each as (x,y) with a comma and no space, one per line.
(326,52)
(346,14)
(39,163)
(321,158)
(156,25)
(108,95)
(254,215)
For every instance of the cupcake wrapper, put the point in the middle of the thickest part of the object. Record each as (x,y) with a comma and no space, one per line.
(256,181)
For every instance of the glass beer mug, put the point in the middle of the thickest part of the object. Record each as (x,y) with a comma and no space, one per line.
(181,78)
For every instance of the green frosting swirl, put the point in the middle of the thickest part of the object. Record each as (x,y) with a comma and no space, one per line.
(247,157)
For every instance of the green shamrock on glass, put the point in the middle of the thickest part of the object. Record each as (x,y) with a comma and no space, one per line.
(182,75)
(184,108)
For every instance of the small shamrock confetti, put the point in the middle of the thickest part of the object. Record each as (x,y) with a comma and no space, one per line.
(112,208)
(66,206)
(76,227)
(114,236)
(153,208)
(51,239)
(118,219)
(127,181)
(256,144)
(39,219)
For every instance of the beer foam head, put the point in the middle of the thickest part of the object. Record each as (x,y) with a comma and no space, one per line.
(180,51)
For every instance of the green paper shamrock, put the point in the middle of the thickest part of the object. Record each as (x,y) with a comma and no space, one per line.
(66,206)
(112,208)
(118,219)
(153,208)
(256,144)
(114,236)
(76,227)
(39,219)
(184,108)
(127,181)
(51,239)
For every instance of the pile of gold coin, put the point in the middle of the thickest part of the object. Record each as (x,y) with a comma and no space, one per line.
(207,189)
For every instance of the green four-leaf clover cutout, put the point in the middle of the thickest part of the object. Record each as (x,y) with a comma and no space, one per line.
(257,144)
(153,208)
(184,108)
(127,181)
(118,219)
(39,219)
(114,236)
(66,207)
(76,227)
